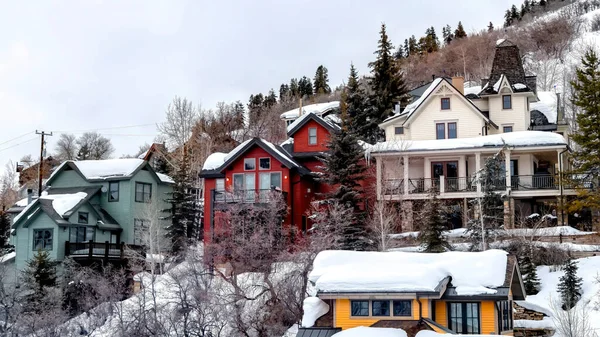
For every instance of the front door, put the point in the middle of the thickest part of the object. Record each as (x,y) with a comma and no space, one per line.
(448,169)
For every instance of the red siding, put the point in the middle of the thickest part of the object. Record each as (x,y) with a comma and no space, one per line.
(301,138)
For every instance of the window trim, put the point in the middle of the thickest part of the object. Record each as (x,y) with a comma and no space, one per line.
(35,231)
(310,137)
(507,126)
(368,308)
(86,228)
(438,129)
(388,308)
(87,216)
(455,130)
(143,192)
(505,307)
(409,306)
(464,325)
(398,128)
(509,102)
(137,239)
(248,159)
(442,103)
(111,183)
(264,169)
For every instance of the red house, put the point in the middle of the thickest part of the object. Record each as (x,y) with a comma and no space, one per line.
(256,166)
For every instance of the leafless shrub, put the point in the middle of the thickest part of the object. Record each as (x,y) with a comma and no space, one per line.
(595,23)
(574,322)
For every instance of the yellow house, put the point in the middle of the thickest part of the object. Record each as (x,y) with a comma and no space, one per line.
(453,292)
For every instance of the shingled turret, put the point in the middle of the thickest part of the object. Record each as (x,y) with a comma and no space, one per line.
(507,62)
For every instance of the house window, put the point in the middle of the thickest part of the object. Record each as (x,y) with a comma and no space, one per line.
(143,192)
(402,308)
(249,164)
(82,217)
(360,308)
(113,191)
(507,129)
(312,136)
(140,228)
(244,183)
(446,103)
(219,189)
(506,102)
(380,308)
(399,130)
(42,239)
(464,317)
(81,234)
(452,130)
(269,180)
(505,315)
(440,132)
(264,163)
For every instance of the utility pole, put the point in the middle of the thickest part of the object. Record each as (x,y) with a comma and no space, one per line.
(40,167)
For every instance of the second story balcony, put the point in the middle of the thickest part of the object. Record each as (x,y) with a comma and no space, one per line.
(254,196)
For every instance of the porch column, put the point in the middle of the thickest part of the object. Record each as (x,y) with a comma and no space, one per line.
(561,199)
(427,168)
(507,169)
(477,171)
(379,176)
(406,176)
(462,173)
(508,202)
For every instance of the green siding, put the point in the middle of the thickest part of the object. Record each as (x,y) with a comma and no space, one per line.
(24,239)
(69,178)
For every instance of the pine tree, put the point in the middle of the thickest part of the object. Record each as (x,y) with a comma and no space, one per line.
(434,224)
(270,99)
(543,3)
(4,228)
(387,86)
(355,102)
(490,207)
(569,285)
(490,27)
(305,87)
(238,112)
(447,34)
(40,273)
(530,277)
(587,98)
(460,33)
(507,18)
(523,11)
(294,88)
(184,227)
(255,108)
(406,48)
(399,54)
(412,45)
(343,168)
(284,91)
(514,13)
(321,81)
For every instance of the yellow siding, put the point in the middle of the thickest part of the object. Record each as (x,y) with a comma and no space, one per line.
(345,321)
(425,310)
(488,317)
(441,317)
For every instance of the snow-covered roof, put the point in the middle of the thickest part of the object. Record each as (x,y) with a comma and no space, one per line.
(235,151)
(214,161)
(546,105)
(499,42)
(475,90)
(363,331)
(330,120)
(22,203)
(103,169)
(313,308)
(62,203)
(165,178)
(413,106)
(511,139)
(319,109)
(472,273)
(24,211)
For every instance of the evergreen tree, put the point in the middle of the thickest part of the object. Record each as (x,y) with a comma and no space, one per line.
(429,43)
(387,86)
(406,48)
(433,227)
(569,285)
(184,213)
(284,91)
(255,107)
(447,34)
(586,97)
(305,87)
(490,27)
(460,33)
(355,102)
(4,228)
(238,112)
(530,277)
(490,207)
(294,88)
(270,99)
(514,13)
(40,273)
(543,3)
(399,53)
(321,81)
(507,19)
(412,45)
(343,168)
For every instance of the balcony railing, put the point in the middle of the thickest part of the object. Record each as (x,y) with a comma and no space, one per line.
(469,184)
(247,196)
(93,249)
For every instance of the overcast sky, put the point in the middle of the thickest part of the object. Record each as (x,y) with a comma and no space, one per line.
(80,65)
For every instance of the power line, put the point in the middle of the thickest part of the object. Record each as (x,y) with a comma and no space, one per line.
(15,145)
(21,136)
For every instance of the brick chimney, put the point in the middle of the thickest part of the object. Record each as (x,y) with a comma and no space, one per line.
(459,83)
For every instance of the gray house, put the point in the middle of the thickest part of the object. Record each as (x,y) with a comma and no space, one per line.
(90,210)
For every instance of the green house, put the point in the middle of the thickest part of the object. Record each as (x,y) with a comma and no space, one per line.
(91,209)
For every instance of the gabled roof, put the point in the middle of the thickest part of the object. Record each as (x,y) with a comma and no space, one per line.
(274,150)
(327,123)
(108,169)
(318,108)
(413,108)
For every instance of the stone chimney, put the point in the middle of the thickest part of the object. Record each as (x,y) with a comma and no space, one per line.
(459,83)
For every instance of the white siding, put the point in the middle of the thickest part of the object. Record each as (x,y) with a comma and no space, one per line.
(518,116)
(482,104)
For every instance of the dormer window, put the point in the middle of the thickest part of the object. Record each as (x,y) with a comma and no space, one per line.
(506,102)
(446,103)
(312,136)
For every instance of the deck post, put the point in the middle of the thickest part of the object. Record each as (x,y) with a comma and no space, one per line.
(106,250)
(91,249)
(406,175)
(122,248)
(67,248)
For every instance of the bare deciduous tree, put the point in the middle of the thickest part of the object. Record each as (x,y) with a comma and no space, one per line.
(66,147)
(382,223)
(94,146)
(181,117)
(574,322)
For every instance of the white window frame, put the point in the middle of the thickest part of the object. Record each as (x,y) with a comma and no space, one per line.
(398,128)
(310,137)
(263,169)
(253,162)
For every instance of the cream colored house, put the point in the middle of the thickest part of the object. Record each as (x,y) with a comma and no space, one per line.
(442,139)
